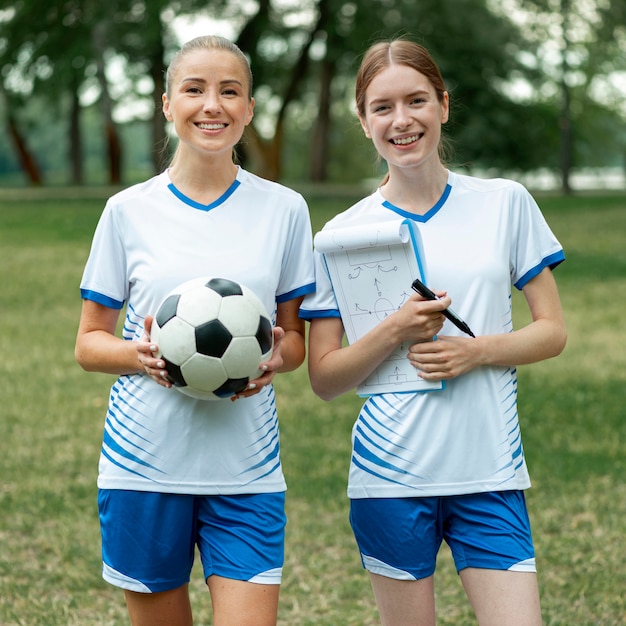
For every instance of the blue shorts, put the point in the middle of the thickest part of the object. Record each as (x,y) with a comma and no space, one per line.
(149,539)
(400,537)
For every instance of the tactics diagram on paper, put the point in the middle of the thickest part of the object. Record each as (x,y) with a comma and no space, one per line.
(371,268)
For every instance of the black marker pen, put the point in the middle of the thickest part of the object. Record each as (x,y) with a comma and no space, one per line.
(423,290)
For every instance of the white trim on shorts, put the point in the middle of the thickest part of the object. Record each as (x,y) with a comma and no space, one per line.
(118,579)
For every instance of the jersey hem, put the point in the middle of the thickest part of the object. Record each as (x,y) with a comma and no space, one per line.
(384,491)
(310,314)
(191,490)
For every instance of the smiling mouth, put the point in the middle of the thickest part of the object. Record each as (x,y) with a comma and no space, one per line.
(213,126)
(405,140)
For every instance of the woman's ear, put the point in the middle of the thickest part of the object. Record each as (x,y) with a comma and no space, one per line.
(166,108)
(364,127)
(445,108)
(250,111)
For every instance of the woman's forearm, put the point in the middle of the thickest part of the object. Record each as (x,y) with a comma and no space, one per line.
(99,351)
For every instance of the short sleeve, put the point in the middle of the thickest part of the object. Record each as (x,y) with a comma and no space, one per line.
(533,244)
(298,276)
(321,303)
(105,276)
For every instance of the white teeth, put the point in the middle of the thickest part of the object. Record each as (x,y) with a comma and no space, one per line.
(405,140)
(211,126)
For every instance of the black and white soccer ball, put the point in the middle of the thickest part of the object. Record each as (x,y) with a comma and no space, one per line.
(212,333)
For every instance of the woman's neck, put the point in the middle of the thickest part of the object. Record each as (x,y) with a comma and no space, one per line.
(415,193)
(203,183)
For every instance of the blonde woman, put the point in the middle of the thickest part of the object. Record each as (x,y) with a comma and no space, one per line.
(178,473)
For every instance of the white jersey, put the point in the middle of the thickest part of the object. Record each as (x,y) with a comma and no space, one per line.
(151,238)
(479,239)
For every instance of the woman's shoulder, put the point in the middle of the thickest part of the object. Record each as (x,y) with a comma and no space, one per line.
(146,187)
(266,186)
(367,209)
(479,184)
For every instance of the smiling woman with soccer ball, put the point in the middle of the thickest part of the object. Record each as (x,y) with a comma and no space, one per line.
(177,471)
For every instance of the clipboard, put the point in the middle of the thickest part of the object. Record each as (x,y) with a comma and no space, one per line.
(371,268)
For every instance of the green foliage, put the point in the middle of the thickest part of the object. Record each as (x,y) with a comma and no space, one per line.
(571,411)
(48,57)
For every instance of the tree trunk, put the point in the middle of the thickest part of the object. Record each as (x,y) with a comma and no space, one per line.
(75,147)
(160,153)
(565,121)
(263,156)
(114,148)
(26,159)
(321,132)
(565,124)
(114,151)
(268,153)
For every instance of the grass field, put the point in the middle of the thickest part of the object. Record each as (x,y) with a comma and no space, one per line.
(51,414)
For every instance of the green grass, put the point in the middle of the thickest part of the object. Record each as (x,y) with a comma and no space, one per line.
(51,415)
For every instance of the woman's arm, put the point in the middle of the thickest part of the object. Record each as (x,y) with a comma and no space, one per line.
(292,344)
(334,369)
(97,348)
(543,338)
(289,347)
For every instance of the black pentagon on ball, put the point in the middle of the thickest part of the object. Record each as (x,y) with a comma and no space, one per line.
(231,387)
(264,334)
(212,338)
(225,287)
(167,310)
(174,373)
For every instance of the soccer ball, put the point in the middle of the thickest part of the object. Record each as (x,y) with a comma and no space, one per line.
(212,333)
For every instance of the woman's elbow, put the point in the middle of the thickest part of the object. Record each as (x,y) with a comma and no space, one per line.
(321,389)
(324,394)
(554,343)
(81,358)
(293,357)
(560,340)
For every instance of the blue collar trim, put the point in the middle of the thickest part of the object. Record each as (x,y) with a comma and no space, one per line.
(204,207)
(430,213)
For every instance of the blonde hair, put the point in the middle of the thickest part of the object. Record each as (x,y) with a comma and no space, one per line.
(206,42)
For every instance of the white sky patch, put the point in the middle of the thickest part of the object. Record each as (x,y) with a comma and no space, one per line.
(187,27)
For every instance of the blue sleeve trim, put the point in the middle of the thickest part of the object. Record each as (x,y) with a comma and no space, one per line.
(550,261)
(94,296)
(309,315)
(296,293)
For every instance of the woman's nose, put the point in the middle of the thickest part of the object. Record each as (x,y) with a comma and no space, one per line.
(211,102)
(401,118)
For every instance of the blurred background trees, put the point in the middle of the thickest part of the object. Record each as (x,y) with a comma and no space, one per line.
(533,83)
